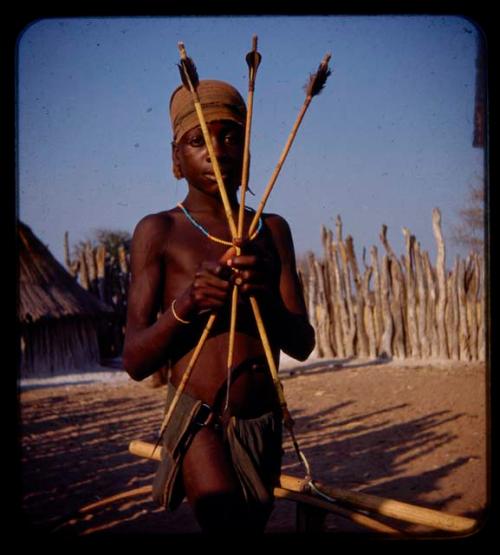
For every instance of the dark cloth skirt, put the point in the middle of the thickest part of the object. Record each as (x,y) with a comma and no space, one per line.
(254,444)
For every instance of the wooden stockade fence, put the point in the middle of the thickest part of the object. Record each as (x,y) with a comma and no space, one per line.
(392,307)
(395,307)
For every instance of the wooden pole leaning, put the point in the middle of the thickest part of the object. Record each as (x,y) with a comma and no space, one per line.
(315,86)
(253,59)
(383,506)
(189,78)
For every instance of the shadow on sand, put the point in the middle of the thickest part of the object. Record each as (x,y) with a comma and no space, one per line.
(74,452)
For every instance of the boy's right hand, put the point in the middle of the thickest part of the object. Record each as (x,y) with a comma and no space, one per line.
(211,285)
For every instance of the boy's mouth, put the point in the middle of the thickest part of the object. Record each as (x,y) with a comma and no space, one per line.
(211,176)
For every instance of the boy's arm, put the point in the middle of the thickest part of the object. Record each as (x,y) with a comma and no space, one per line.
(146,336)
(288,310)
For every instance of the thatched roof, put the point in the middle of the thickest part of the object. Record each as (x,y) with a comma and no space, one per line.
(46,289)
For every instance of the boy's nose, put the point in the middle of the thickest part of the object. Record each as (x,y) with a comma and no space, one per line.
(218,147)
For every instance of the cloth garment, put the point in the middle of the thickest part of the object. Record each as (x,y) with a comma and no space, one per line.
(254,445)
(219,101)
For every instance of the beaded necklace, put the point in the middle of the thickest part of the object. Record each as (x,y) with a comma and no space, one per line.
(212,237)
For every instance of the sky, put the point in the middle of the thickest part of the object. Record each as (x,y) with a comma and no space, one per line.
(388,139)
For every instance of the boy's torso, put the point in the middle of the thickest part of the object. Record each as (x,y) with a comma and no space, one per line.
(184,249)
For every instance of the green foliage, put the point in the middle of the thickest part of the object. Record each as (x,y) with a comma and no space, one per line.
(110,238)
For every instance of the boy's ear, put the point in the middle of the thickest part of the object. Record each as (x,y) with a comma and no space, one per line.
(176,167)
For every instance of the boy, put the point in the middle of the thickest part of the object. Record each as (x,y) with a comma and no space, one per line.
(183,266)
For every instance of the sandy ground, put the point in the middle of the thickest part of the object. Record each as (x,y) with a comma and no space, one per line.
(412,431)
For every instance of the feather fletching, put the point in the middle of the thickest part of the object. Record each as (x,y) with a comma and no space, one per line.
(317,80)
(187,69)
(253,59)
(188,72)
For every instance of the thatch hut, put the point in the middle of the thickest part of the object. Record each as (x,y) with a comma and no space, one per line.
(58,319)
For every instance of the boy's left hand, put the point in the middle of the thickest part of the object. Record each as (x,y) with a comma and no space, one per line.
(255,272)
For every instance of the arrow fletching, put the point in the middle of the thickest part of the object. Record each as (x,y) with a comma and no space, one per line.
(317,80)
(187,69)
(253,59)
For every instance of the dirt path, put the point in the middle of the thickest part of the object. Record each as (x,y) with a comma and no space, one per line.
(414,432)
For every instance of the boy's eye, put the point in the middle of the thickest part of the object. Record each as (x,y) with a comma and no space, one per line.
(196,141)
(232,138)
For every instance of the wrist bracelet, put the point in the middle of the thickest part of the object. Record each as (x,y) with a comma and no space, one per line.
(176,316)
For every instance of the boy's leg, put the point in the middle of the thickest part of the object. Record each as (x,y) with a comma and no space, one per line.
(211,485)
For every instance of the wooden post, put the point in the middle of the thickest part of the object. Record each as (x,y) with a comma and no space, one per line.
(91,267)
(471,295)
(431,327)
(385,242)
(462,309)
(327,239)
(101,271)
(413,337)
(341,323)
(72,266)
(346,278)
(83,274)
(452,314)
(397,309)
(338,227)
(386,343)
(441,275)
(378,320)
(369,314)
(421,304)
(481,316)
(362,337)
(312,299)
(323,336)
(396,304)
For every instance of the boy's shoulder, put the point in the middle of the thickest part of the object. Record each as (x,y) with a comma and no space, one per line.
(155,221)
(154,227)
(276,222)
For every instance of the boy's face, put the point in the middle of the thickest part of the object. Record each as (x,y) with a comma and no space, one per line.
(192,160)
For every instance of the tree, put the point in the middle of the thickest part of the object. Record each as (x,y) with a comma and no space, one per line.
(469,232)
(100,263)
(111,239)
